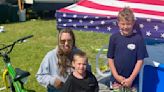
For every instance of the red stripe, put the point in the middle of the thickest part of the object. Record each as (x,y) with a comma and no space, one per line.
(93,5)
(153,2)
(75,12)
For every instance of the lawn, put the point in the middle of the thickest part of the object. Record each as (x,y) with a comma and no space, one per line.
(28,55)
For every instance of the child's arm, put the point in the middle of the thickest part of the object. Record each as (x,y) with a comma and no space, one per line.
(119,78)
(128,82)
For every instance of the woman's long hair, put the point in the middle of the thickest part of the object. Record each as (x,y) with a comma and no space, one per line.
(64,59)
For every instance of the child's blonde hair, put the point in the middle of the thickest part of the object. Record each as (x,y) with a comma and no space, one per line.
(80,53)
(126,14)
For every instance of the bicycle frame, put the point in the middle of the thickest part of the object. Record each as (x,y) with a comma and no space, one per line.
(11,72)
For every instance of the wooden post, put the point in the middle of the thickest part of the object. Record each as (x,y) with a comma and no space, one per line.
(20,5)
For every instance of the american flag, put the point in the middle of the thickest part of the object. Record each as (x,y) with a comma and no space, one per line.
(100,16)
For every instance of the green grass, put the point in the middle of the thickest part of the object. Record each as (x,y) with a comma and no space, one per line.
(29,55)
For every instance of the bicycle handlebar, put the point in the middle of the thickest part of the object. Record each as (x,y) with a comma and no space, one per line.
(24,38)
(12,45)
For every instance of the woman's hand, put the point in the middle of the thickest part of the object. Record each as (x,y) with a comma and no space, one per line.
(58,83)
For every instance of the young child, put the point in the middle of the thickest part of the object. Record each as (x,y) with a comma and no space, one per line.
(126,52)
(80,80)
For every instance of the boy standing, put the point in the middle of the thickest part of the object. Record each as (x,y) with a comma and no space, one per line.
(80,80)
(126,52)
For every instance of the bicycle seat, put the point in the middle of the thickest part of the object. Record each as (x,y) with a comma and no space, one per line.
(20,74)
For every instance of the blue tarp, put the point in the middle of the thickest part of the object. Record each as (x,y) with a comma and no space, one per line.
(155,50)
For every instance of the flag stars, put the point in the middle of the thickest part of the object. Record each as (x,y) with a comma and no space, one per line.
(70,20)
(141,26)
(59,20)
(102,22)
(109,28)
(64,25)
(96,17)
(85,27)
(64,15)
(114,23)
(74,16)
(85,17)
(156,27)
(148,20)
(74,25)
(148,33)
(97,28)
(81,21)
(162,35)
(91,22)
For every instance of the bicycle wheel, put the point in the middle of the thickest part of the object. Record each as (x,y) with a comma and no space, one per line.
(102,62)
